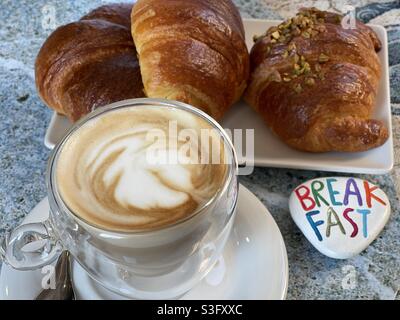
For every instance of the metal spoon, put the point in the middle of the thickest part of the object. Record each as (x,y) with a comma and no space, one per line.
(64,289)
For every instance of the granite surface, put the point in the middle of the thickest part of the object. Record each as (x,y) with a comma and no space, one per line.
(374,274)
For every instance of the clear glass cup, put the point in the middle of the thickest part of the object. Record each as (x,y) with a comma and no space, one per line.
(156,264)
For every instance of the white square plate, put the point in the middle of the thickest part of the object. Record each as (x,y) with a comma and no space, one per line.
(269,151)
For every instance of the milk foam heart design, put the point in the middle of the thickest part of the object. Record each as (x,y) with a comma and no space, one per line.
(340,216)
(140,168)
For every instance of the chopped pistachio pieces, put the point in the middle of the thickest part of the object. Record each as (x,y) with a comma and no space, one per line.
(306,24)
(282,39)
(298,88)
(323,58)
(285,24)
(292,46)
(310,81)
(275,35)
(306,68)
(296,72)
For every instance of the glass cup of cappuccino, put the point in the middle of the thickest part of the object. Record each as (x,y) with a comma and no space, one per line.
(142,193)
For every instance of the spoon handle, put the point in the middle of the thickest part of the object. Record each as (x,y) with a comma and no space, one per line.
(63,284)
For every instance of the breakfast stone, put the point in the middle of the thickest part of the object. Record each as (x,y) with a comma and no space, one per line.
(340,216)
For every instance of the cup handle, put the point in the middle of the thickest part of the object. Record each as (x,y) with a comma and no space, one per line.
(30,246)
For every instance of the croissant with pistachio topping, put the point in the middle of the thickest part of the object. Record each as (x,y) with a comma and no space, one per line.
(314,82)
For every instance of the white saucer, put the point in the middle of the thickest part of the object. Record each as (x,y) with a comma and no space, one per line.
(253,266)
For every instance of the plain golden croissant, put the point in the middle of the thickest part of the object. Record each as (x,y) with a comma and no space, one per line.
(315,83)
(192,51)
(89,63)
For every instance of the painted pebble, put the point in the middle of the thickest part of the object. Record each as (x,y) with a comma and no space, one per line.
(340,216)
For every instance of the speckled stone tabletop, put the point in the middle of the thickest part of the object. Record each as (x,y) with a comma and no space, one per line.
(24,25)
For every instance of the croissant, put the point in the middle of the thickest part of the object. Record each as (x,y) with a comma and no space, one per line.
(193,51)
(89,63)
(315,82)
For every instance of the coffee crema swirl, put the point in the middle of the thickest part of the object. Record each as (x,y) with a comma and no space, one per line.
(127,170)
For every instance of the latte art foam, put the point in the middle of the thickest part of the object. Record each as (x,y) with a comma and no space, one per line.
(128,170)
